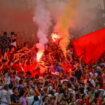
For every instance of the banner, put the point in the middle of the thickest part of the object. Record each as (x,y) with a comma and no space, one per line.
(90,47)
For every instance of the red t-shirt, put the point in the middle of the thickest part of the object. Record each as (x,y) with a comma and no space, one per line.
(85,101)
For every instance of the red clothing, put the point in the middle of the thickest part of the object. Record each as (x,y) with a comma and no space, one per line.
(16,67)
(85,101)
(99,100)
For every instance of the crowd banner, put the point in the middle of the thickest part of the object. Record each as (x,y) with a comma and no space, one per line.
(90,47)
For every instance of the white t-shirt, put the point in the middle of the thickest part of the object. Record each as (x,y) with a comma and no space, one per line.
(10,91)
(13,43)
(5,97)
(17,78)
(7,80)
(30,100)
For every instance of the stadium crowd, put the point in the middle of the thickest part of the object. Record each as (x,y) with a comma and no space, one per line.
(55,80)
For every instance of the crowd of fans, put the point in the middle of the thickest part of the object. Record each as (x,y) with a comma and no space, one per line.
(55,80)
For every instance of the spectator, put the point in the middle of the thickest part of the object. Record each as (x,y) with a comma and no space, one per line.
(5,40)
(36,101)
(23,98)
(15,96)
(5,98)
(13,40)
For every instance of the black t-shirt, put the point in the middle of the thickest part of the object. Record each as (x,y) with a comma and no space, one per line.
(5,41)
(15,98)
(81,90)
(78,74)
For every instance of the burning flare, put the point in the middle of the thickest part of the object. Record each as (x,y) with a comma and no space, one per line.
(39,55)
(55,37)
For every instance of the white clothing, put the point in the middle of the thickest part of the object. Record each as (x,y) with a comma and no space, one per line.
(7,80)
(13,44)
(5,97)
(30,100)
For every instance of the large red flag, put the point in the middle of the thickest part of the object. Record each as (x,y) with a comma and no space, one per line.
(90,47)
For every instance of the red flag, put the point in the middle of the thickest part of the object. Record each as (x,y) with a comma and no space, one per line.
(90,47)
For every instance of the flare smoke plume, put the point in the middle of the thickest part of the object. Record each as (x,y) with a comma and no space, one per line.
(43,20)
(62,26)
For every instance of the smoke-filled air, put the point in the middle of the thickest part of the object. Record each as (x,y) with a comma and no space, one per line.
(38,19)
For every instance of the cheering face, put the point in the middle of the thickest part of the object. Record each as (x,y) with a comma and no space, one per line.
(25,84)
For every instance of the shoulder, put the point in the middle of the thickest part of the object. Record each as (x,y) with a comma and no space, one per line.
(36,103)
